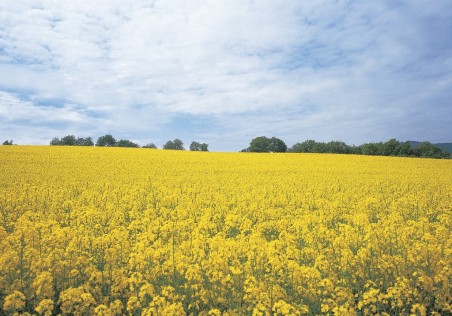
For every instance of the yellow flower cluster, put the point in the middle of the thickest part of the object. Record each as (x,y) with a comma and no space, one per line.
(111,231)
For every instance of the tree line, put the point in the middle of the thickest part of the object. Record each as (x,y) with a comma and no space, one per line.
(392,147)
(109,141)
(265,144)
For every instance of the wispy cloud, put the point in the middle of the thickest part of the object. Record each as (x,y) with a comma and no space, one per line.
(226,71)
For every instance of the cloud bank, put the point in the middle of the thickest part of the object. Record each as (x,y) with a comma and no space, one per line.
(224,72)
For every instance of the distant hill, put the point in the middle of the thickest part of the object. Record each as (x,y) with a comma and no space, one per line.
(444,146)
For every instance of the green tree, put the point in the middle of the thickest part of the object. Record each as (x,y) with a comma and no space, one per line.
(338,147)
(179,145)
(259,145)
(126,143)
(405,150)
(390,148)
(84,141)
(106,140)
(204,147)
(176,144)
(150,145)
(69,140)
(8,142)
(264,144)
(56,142)
(277,145)
(428,150)
(371,149)
(320,147)
(195,146)
(308,146)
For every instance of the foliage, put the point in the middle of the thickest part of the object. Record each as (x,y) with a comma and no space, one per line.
(88,141)
(263,144)
(106,140)
(332,147)
(444,146)
(428,150)
(150,145)
(308,146)
(195,146)
(126,143)
(56,142)
(8,142)
(169,233)
(176,144)
(390,148)
(447,147)
(259,145)
(277,145)
(71,140)
(370,149)
(395,148)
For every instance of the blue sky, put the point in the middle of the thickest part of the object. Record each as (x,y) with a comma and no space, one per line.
(226,71)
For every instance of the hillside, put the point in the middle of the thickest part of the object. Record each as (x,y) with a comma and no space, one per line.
(444,146)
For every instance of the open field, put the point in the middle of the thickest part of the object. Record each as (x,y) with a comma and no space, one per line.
(109,231)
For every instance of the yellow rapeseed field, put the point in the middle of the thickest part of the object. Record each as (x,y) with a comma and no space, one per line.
(110,231)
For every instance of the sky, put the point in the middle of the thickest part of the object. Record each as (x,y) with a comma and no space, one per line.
(226,71)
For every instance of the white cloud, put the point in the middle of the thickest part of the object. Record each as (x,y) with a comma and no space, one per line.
(15,109)
(28,122)
(324,69)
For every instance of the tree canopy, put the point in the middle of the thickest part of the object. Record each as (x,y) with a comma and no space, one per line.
(71,140)
(106,140)
(264,144)
(126,143)
(390,148)
(150,145)
(195,146)
(176,144)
